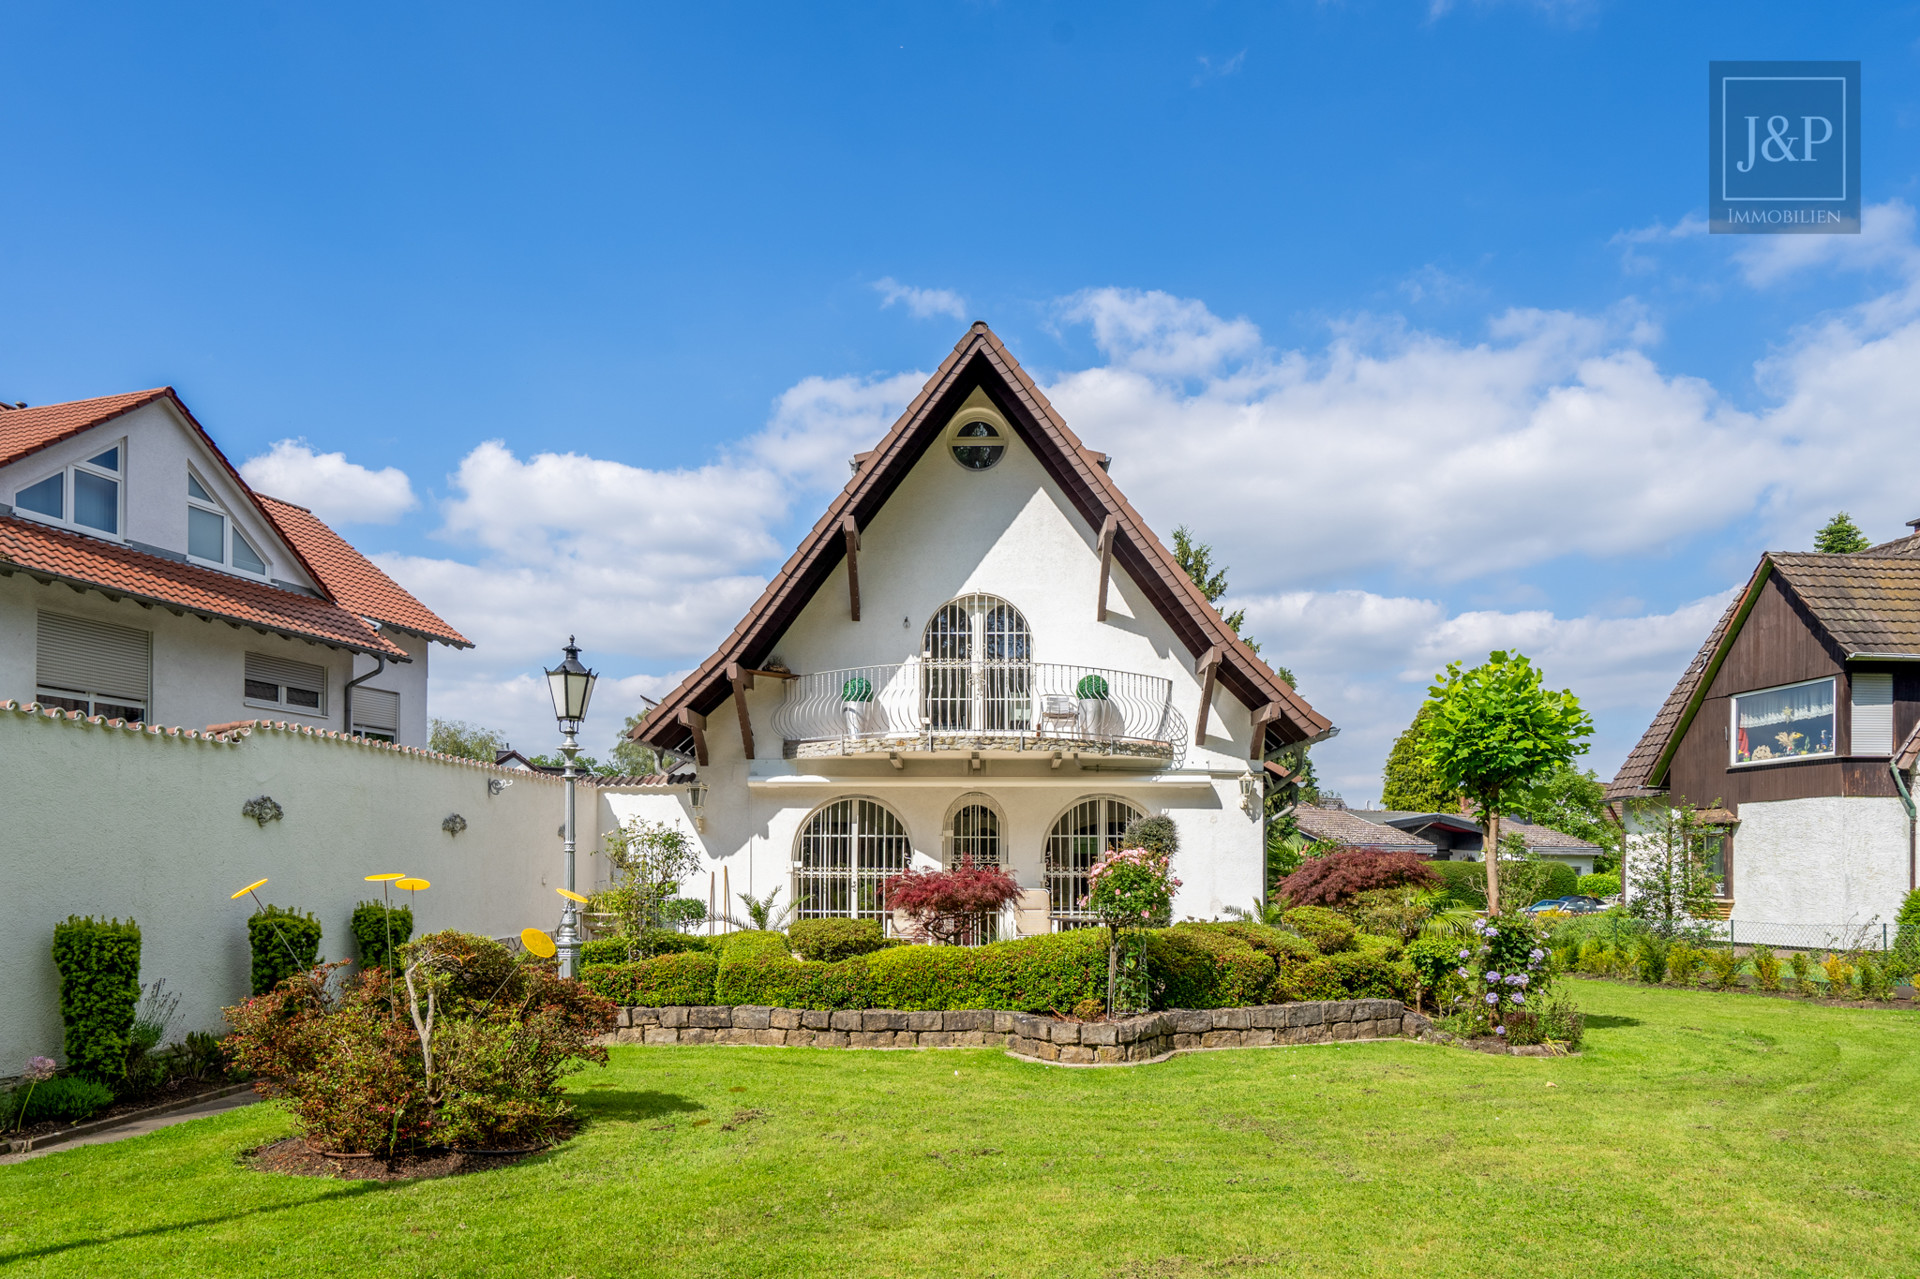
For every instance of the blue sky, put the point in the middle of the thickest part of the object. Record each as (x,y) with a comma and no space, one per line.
(1421,288)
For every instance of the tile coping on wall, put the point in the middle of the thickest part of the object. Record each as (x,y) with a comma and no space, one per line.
(1128,1042)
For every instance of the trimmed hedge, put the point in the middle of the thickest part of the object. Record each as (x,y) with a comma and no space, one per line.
(831,940)
(652,943)
(1354,975)
(99,962)
(1599,885)
(284,942)
(682,978)
(1194,967)
(1329,930)
(371,926)
(1463,883)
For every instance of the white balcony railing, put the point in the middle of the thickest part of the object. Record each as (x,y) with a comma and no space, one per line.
(932,704)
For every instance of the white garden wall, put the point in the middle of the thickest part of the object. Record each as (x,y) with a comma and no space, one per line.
(126,822)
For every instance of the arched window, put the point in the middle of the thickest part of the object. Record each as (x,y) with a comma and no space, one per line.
(973,830)
(846,851)
(977,653)
(1083,833)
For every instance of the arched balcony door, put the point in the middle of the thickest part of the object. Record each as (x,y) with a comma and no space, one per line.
(977,658)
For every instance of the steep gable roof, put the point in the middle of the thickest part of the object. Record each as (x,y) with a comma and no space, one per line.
(24,432)
(980,361)
(1867,603)
(352,579)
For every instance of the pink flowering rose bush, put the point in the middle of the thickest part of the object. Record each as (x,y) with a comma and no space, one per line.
(1131,890)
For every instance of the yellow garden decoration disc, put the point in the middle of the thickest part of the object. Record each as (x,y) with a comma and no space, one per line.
(413,885)
(379,879)
(249,888)
(572,897)
(537,943)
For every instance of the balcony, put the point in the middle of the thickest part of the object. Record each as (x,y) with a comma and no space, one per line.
(930,705)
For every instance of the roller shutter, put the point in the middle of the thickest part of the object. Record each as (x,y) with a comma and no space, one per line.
(1872,713)
(95,657)
(376,711)
(299,686)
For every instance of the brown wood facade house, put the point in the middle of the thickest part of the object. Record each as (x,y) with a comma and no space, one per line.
(1795,724)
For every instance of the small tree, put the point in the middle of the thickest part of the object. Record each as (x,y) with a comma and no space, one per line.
(1410,782)
(1670,880)
(469,741)
(1840,536)
(649,860)
(1336,878)
(1493,731)
(631,758)
(951,905)
(1131,891)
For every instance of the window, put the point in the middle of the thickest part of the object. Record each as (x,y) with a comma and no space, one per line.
(973,834)
(1084,832)
(376,713)
(300,687)
(84,495)
(978,668)
(977,445)
(847,850)
(1783,723)
(1714,847)
(1872,713)
(211,535)
(92,667)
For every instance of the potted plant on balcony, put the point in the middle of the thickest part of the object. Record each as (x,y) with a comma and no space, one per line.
(1095,709)
(856,695)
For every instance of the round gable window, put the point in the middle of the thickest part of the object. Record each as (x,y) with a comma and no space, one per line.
(977,445)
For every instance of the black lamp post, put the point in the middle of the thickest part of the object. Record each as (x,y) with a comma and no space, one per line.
(572,687)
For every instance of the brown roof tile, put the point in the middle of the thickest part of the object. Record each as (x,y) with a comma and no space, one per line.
(353,579)
(1632,781)
(39,551)
(1344,828)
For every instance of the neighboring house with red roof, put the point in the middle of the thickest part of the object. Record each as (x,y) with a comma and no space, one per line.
(980,650)
(1797,728)
(141,578)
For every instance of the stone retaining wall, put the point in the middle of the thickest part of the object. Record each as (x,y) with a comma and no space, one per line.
(1133,1039)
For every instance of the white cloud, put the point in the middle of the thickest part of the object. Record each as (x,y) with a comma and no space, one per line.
(338,491)
(923,304)
(1158,335)
(1885,242)
(1211,70)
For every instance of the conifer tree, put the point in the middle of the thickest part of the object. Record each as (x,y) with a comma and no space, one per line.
(1840,536)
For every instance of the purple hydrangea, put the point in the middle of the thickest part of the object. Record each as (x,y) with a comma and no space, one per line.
(1463,972)
(1536,954)
(1499,1030)
(1517,998)
(1493,976)
(1492,998)
(1463,954)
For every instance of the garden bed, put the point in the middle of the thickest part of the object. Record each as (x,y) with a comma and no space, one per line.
(294,1158)
(160,1101)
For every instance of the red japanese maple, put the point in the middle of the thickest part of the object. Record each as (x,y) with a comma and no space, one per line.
(1337,877)
(950,905)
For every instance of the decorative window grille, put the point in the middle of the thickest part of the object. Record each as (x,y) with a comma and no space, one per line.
(973,833)
(977,662)
(1872,713)
(1083,834)
(846,852)
(95,668)
(1783,723)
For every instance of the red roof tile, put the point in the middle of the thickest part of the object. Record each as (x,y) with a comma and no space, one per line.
(26,546)
(352,579)
(25,431)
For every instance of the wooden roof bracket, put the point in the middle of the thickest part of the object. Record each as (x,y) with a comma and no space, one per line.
(851,529)
(1108,527)
(1209,671)
(742,680)
(696,723)
(1261,718)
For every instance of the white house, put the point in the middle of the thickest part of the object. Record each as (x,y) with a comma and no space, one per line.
(142,579)
(980,649)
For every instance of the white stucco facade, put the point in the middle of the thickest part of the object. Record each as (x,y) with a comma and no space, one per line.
(1826,860)
(1007,532)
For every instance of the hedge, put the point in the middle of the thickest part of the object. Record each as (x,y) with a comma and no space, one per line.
(682,978)
(99,962)
(284,942)
(1195,967)
(373,924)
(651,943)
(1463,883)
(1600,885)
(1354,975)
(831,940)
(1329,930)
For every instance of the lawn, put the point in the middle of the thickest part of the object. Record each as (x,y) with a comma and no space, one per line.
(1700,1134)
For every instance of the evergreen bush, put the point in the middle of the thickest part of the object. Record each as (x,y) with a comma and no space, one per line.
(684,978)
(64,1099)
(829,941)
(1329,931)
(1462,883)
(99,962)
(1766,967)
(379,930)
(1355,975)
(652,943)
(284,942)
(1598,885)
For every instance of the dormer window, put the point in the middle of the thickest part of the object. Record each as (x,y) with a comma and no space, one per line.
(85,495)
(211,536)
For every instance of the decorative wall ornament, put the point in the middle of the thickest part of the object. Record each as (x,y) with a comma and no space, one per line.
(454,824)
(262,809)
(497,784)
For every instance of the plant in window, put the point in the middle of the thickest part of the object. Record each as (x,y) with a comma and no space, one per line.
(953,905)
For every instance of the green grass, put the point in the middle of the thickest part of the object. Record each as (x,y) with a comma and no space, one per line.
(1700,1134)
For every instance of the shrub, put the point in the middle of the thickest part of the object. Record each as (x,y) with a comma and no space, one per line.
(1462,883)
(1650,959)
(1195,967)
(1871,980)
(1392,912)
(1506,965)
(682,912)
(1599,885)
(1157,834)
(1436,967)
(1839,974)
(682,979)
(1354,976)
(64,1099)
(1338,877)
(284,942)
(1683,963)
(1558,1021)
(652,942)
(953,904)
(1766,967)
(99,962)
(1590,958)
(1723,967)
(1802,964)
(379,930)
(1329,931)
(828,941)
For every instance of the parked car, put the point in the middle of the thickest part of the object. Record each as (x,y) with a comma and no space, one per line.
(1575,904)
